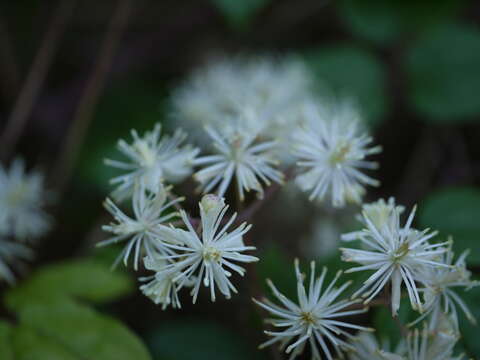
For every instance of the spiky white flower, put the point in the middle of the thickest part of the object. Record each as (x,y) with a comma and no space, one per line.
(140,231)
(314,319)
(396,254)
(366,347)
(439,295)
(11,253)
(160,286)
(239,157)
(219,93)
(332,151)
(22,199)
(209,257)
(151,160)
(427,345)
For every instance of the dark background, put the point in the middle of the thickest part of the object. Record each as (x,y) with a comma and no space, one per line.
(84,73)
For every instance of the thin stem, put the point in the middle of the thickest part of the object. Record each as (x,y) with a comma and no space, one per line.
(95,85)
(35,79)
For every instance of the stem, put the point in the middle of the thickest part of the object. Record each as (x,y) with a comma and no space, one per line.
(35,79)
(95,85)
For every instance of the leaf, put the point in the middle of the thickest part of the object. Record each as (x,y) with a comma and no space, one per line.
(350,71)
(470,331)
(443,74)
(383,22)
(206,340)
(6,351)
(83,332)
(455,211)
(239,13)
(30,345)
(85,279)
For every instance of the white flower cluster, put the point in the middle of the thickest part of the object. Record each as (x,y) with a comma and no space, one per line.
(22,216)
(252,116)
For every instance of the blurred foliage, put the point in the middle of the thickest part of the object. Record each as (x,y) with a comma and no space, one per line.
(384,22)
(455,211)
(133,105)
(353,72)
(54,324)
(468,330)
(199,340)
(444,74)
(239,14)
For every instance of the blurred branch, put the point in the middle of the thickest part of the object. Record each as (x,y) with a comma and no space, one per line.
(85,110)
(36,77)
(8,67)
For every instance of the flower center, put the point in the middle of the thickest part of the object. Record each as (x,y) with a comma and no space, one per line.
(308,318)
(340,153)
(148,156)
(211,254)
(400,252)
(16,197)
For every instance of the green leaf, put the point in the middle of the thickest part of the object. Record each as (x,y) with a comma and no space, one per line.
(444,74)
(469,331)
(30,345)
(385,21)
(351,71)
(454,211)
(85,279)
(6,350)
(206,340)
(83,332)
(239,13)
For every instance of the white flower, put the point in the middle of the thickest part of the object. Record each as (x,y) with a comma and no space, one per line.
(141,230)
(160,287)
(209,257)
(240,158)
(366,347)
(425,345)
(333,152)
(22,198)
(11,253)
(151,160)
(396,254)
(440,297)
(219,93)
(314,319)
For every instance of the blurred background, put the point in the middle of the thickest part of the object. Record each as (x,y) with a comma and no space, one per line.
(78,75)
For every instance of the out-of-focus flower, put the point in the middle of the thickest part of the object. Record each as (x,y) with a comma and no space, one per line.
(141,230)
(366,347)
(332,151)
(314,319)
(240,158)
(22,198)
(439,296)
(152,159)
(397,254)
(209,257)
(220,93)
(11,253)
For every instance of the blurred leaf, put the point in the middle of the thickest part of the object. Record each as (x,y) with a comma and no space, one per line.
(444,74)
(81,278)
(83,332)
(350,71)
(134,105)
(385,21)
(455,211)
(6,351)
(206,341)
(387,328)
(275,266)
(30,345)
(239,13)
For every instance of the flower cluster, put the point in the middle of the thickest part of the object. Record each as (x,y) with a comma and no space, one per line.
(22,216)
(256,123)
